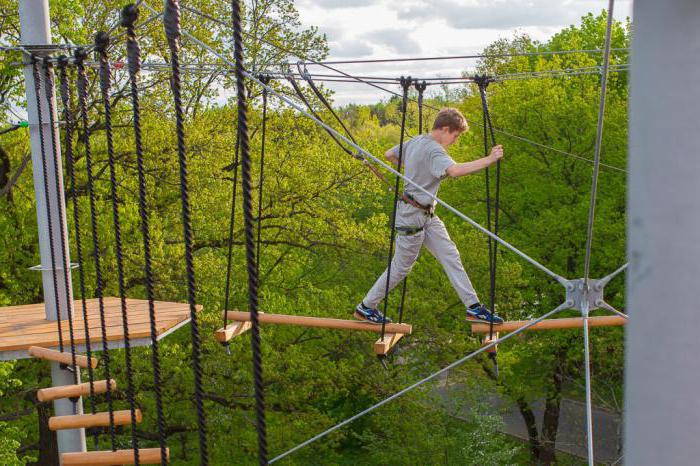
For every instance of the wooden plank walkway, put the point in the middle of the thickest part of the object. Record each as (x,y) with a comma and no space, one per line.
(25,326)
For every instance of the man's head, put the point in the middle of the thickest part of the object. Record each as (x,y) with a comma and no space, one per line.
(449,124)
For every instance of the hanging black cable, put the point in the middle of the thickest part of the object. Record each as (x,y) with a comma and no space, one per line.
(101,44)
(82,85)
(129,16)
(265,80)
(420,87)
(483,82)
(70,167)
(171,21)
(248,221)
(229,260)
(47,200)
(11,128)
(58,188)
(405,84)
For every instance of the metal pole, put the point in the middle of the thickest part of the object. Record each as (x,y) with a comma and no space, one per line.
(35,30)
(662,368)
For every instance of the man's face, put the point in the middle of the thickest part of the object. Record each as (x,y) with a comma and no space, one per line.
(451,136)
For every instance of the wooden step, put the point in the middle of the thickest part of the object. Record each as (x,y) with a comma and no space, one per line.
(383,346)
(80,421)
(551,324)
(319,322)
(98,458)
(62,357)
(73,391)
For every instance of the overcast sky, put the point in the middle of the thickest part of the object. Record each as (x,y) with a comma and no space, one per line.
(409,28)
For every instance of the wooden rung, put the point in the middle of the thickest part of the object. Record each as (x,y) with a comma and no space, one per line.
(62,357)
(73,391)
(383,346)
(79,421)
(488,341)
(224,334)
(98,458)
(553,324)
(320,322)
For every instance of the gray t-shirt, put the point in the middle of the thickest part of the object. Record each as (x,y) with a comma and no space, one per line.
(425,162)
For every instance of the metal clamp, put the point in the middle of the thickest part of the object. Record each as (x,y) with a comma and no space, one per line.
(41,268)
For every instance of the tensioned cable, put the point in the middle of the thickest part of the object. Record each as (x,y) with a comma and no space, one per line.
(463,57)
(405,85)
(171,22)
(379,162)
(105,75)
(47,199)
(70,166)
(13,128)
(129,16)
(251,262)
(589,235)
(422,381)
(82,85)
(307,60)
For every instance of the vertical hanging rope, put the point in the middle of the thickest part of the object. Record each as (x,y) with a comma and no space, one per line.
(101,44)
(405,84)
(129,15)
(68,118)
(229,261)
(49,93)
(265,79)
(82,85)
(171,21)
(420,87)
(248,221)
(44,168)
(483,82)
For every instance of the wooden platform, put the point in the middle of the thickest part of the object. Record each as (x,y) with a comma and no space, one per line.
(25,326)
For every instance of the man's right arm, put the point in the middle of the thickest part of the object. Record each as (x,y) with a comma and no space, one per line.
(466,168)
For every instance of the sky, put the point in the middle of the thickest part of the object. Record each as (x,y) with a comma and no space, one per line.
(409,28)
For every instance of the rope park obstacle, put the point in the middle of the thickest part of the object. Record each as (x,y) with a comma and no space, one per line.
(583,295)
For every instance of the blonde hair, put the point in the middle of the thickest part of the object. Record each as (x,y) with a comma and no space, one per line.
(452,118)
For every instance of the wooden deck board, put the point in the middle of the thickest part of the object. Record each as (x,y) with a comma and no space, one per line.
(25,326)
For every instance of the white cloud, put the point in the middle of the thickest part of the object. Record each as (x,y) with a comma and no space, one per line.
(397,40)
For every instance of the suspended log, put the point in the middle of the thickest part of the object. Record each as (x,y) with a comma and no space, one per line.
(107,458)
(73,391)
(82,421)
(552,324)
(61,357)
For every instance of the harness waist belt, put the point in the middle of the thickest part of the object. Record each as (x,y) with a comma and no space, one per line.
(408,199)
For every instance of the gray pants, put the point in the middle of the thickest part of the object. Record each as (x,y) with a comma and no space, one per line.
(436,239)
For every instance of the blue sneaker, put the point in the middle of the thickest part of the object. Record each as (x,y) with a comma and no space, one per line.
(368,314)
(479,312)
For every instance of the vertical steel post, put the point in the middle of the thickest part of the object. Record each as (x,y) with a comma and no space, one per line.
(35,30)
(662,409)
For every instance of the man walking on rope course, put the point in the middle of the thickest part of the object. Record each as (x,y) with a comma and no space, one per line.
(427,163)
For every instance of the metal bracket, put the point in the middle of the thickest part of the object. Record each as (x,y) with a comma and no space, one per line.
(585,298)
(41,268)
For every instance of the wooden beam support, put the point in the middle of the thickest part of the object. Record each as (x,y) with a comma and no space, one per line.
(80,421)
(73,391)
(488,341)
(552,324)
(61,357)
(107,458)
(383,346)
(234,329)
(320,322)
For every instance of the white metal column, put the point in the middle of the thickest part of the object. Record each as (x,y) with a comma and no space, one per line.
(35,30)
(662,413)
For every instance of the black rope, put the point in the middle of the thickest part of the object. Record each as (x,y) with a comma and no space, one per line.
(229,261)
(420,87)
(49,93)
(101,44)
(483,82)
(70,166)
(82,85)
(129,15)
(265,80)
(47,200)
(248,221)
(171,21)
(405,84)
